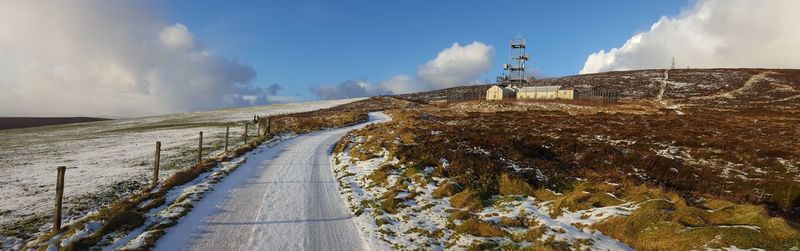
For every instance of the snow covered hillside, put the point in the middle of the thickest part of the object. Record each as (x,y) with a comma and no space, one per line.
(107,159)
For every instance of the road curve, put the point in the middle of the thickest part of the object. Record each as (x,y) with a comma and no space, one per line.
(283,198)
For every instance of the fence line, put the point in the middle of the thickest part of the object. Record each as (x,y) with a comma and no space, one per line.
(59,195)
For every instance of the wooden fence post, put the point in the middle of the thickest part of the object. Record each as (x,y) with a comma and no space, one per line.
(157,163)
(789,196)
(245,132)
(227,132)
(200,149)
(59,197)
(269,126)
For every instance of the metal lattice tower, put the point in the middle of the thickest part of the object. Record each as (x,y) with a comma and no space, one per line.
(514,73)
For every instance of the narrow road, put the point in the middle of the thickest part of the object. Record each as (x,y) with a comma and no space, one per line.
(284,198)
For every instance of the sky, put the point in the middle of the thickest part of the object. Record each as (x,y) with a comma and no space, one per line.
(309,43)
(138,58)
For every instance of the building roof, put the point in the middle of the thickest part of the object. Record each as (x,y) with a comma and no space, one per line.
(545,88)
(505,88)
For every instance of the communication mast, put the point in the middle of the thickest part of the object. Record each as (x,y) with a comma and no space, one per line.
(514,73)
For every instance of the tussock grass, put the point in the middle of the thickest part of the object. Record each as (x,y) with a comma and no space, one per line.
(381,175)
(188,174)
(446,190)
(456,214)
(585,196)
(533,234)
(511,186)
(468,198)
(480,228)
(670,223)
(515,222)
(389,201)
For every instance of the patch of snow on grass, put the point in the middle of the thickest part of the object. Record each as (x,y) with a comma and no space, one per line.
(423,223)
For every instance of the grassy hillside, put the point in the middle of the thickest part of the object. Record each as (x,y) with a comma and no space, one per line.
(713,163)
(721,89)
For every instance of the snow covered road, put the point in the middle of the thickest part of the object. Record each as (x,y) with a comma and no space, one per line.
(284,198)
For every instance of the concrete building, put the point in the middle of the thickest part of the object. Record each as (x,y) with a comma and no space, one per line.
(548,92)
(501,93)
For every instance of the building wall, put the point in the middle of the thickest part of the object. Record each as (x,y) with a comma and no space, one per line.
(497,93)
(494,93)
(547,95)
(566,94)
(537,95)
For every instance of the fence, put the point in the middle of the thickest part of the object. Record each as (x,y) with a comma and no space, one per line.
(61,170)
(597,95)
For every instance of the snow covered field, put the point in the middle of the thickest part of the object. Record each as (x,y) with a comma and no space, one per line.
(109,158)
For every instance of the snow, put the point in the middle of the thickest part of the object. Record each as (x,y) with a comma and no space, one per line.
(735,248)
(566,222)
(284,198)
(179,199)
(88,229)
(108,157)
(427,214)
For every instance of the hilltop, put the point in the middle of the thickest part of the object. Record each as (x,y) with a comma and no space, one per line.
(722,89)
(24,122)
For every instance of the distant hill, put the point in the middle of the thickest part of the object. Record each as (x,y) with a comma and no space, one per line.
(23,122)
(773,89)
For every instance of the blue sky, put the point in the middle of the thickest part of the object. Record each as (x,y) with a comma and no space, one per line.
(299,44)
(137,58)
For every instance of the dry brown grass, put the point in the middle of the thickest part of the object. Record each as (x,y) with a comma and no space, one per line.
(561,147)
(512,186)
(468,198)
(380,176)
(585,196)
(670,223)
(480,228)
(446,190)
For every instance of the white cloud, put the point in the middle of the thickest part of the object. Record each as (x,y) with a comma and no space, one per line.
(177,36)
(457,65)
(712,33)
(85,57)
(349,89)
(453,66)
(402,84)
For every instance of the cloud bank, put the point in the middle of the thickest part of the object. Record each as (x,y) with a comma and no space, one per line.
(453,66)
(118,58)
(712,33)
(349,89)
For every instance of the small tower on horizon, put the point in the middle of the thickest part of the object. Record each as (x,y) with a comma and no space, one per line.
(673,63)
